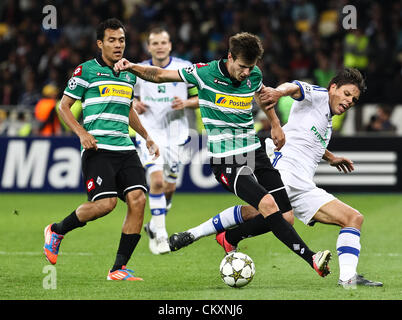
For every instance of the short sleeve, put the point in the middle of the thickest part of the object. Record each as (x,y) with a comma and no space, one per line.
(78,84)
(305,89)
(191,76)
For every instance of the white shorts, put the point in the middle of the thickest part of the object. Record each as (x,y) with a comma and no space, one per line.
(305,197)
(168,161)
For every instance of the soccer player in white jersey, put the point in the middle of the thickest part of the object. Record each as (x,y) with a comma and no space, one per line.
(161,110)
(308,132)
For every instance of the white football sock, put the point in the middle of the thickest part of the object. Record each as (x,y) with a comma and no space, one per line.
(157,204)
(222,221)
(348,248)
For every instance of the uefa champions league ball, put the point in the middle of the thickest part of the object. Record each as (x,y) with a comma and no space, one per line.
(237,269)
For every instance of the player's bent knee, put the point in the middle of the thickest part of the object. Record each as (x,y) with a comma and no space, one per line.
(357,219)
(170,188)
(157,185)
(157,181)
(352,219)
(107,205)
(103,207)
(136,198)
(267,205)
(289,217)
(248,212)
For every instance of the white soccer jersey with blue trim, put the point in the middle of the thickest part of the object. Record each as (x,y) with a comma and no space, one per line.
(307,131)
(165,125)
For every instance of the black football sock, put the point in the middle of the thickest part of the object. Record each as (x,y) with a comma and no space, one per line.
(69,223)
(282,229)
(250,228)
(285,232)
(128,242)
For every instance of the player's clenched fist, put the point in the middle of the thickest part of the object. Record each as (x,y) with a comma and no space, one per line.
(122,64)
(270,96)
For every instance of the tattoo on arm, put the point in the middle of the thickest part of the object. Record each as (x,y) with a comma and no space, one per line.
(150,74)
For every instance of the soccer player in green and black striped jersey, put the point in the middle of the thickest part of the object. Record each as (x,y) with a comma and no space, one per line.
(110,164)
(226,89)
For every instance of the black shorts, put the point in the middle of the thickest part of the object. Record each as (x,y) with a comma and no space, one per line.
(251,176)
(110,174)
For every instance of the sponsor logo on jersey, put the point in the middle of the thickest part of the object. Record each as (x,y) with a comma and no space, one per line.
(78,71)
(220,82)
(101,74)
(233,102)
(318,136)
(200,65)
(115,90)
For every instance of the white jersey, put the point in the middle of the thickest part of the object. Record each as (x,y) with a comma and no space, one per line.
(307,132)
(165,125)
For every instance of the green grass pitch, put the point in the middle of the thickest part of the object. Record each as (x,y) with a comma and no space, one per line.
(192,273)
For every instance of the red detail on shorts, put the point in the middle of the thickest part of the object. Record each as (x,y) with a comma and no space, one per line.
(90,184)
(224,179)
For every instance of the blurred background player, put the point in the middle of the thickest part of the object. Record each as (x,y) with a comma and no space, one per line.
(110,164)
(161,110)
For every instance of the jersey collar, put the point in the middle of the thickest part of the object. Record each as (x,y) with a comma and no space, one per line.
(102,63)
(164,67)
(224,71)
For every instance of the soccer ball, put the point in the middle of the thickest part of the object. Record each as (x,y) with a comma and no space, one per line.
(237,269)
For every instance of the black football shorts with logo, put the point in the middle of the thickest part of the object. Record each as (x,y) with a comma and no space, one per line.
(251,176)
(110,174)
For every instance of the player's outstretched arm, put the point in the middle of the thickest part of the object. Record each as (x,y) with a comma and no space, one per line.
(270,96)
(148,73)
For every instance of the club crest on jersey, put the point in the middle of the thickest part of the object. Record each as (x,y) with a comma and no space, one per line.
(249,83)
(227,101)
(115,90)
(161,88)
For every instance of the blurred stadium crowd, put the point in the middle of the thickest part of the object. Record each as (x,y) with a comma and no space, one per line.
(302,40)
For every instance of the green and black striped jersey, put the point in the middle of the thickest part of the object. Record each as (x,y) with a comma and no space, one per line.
(225,107)
(106,100)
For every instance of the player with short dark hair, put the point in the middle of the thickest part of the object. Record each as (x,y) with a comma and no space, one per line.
(110,164)
(226,89)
